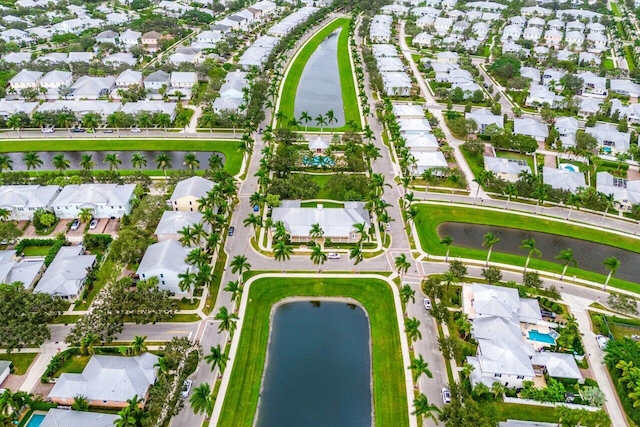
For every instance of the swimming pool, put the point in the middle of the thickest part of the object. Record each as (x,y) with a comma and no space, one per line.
(606,150)
(35,420)
(540,337)
(318,161)
(568,167)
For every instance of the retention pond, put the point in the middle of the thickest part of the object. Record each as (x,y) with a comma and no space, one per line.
(318,369)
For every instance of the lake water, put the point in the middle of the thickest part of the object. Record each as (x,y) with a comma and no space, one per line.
(177,159)
(318,367)
(588,255)
(319,87)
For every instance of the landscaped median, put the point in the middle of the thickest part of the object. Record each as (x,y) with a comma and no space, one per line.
(347,85)
(430,216)
(376,297)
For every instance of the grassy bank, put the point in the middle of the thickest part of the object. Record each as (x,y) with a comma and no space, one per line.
(347,85)
(230,149)
(431,216)
(389,395)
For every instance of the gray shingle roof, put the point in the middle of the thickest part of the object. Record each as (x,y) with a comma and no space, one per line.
(67,272)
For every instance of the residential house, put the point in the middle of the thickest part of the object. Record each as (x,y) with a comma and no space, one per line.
(108,381)
(21,201)
(557,365)
(338,224)
(382,50)
(452,57)
(624,87)
(421,142)
(610,138)
(151,107)
(88,87)
(631,111)
(511,32)
(16,268)
(129,78)
(553,37)
(531,127)
(80,107)
(397,84)
(555,24)
(484,118)
(211,37)
(532,33)
(408,111)
(150,41)
(10,108)
(423,160)
(65,277)
(575,26)
(104,200)
(541,95)
(519,21)
(563,179)
(157,80)
(17,36)
(589,58)
(61,417)
(589,106)
(566,126)
(536,22)
(414,126)
(551,77)
(5,370)
(574,39)
(17,57)
(593,85)
(185,55)
(183,79)
(597,41)
(422,40)
(531,73)
(174,221)
(120,58)
(187,193)
(54,80)
(25,79)
(626,193)
(442,25)
(165,261)
(506,169)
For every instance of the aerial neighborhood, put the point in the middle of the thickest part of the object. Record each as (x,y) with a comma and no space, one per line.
(414,213)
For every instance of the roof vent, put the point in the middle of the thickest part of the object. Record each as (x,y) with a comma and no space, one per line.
(320,206)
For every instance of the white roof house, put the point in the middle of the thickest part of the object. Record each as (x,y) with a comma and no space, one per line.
(130,38)
(150,106)
(484,118)
(82,107)
(562,179)
(397,83)
(531,127)
(421,142)
(23,200)
(381,50)
(590,106)
(408,111)
(187,192)
(174,221)
(120,58)
(157,80)
(165,261)
(65,277)
(129,78)
(108,36)
(104,200)
(337,223)
(507,169)
(9,108)
(414,126)
(541,95)
(593,85)
(566,125)
(626,193)
(608,135)
(558,365)
(17,57)
(424,160)
(486,327)
(15,269)
(64,418)
(625,87)
(530,73)
(26,79)
(500,361)
(187,55)
(108,381)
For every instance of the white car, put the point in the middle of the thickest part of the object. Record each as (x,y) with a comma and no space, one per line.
(427,303)
(135,130)
(602,341)
(48,130)
(75,224)
(388,227)
(446,395)
(186,388)
(333,255)
(93,224)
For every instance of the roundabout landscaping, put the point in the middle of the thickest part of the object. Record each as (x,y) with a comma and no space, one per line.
(377,299)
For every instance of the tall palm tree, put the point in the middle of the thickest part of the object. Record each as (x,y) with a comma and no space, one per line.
(612,264)
(32,160)
(217,357)
(164,162)
(86,162)
(127,418)
(331,118)
(530,245)
(428,177)
(6,163)
(239,264)
(423,408)
(85,215)
(355,253)
(412,329)
(227,320)
(510,190)
(138,346)
(566,256)
(253,220)
(574,201)
(235,289)
(407,294)
(113,161)
(187,282)
(162,365)
(317,256)
(138,160)
(60,162)
(316,231)
(402,265)
(202,400)
(447,241)
(282,252)
(321,121)
(88,342)
(215,162)
(419,367)
(490,239)
(306,118)
(609,199)
(191,161)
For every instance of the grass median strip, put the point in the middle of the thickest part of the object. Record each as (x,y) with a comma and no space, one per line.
(389,392)
(431,216)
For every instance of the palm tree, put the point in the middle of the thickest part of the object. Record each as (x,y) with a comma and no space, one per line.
(407,294)
(85,215)
(164,162)
(80,403)
(282,252)
(253,220)
(217,357)
(138,345)
(609,199)
(412,329)
(428,177)
(355,254)
(317,256)
(316,232)
(239,264)
(612,264)
(60,162)
(4,214)
(490,239)
(215,162)
(306,118)
(86,162)
(227,320)
(566,256)
(162,365)
(235,288)
(187,237)
(187,282)
(510,191)
(138,160)
(113,161)
(88,342)
(402,265)
(331,118)
(127,418)
(530,245)
(32,160)
(447,241)
(419,367)
(321,121)
(202,400)
(6,163)
(191,161)
(423,408)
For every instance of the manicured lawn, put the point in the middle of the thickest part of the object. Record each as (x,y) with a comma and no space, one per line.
(230,149)
(608,64)
(615,9)
(349,94)
(430,216)
(185,318)
(628,53)
(513,411)
(389,395)
(66,318)
(74,365)
(36,250)
(325,204)
(21,361)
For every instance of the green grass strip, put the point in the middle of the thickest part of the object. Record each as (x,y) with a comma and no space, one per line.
(347,85)
(389,390)
(230,149)
(431,216)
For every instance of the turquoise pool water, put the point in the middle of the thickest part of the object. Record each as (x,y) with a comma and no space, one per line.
(568,167)
(35,420)
(540,337)
(318,161)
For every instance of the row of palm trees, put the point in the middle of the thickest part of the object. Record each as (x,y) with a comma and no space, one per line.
(66,119)
(321,120)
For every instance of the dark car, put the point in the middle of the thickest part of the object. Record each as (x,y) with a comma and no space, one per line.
(107,131)
(77,130)
(547,313)
(232,230)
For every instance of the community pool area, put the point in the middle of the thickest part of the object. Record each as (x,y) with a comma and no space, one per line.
(35,420)
(318,161)
(606,150)
(568,167)
(540,337)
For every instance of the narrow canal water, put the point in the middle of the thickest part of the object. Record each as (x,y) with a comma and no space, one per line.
(588,255)
(319,87)
(318,369)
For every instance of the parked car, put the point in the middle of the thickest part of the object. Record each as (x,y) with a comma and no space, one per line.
(48,130)
(135,130)
(90,130)
(388,227)
(186,388)
(93,224)
(107,131)
(333,255)
(256,208)
(77,130)
(547,313)
(602,341)
(446,395)
(231,231)
(75,224)
(427,303)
